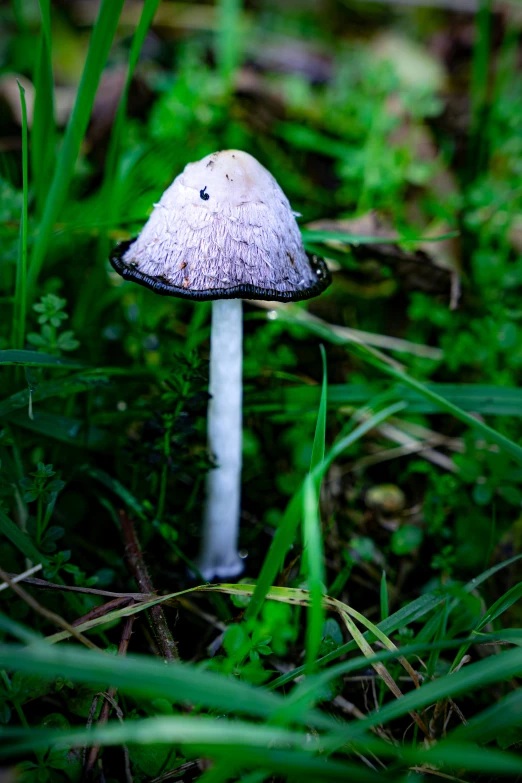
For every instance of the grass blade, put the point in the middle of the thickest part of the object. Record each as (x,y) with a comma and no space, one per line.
(60,387)
(477,675)
(100,44)
(318,448)
(385,605)
(20,540)
(312,537)
(286,531)
(20,309)
(110,193)
(404,616)
(65,429)
(36,359)
(476,398)
(498,608)
(488,432)
(355,239)
(43,131)
(250,746)
(229,39)
(313,559)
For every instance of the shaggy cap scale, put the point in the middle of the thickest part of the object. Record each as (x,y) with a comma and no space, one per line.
(224,229)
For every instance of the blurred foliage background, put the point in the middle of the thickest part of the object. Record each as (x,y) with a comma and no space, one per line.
(395,129)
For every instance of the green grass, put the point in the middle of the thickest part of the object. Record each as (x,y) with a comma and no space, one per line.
(20,299)
(43,131)
(102,37)
(103,403)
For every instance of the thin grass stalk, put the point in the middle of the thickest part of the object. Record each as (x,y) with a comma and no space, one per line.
(285,533)
(101,40)
(508,445)
(229,40)
(313,560)
(43,130)
(20,308)
(110,193)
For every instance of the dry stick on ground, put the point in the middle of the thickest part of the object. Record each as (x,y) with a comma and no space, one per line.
(194,767)
(92,755)
(15,578)
(101,611)
(45,585)
(51,616)
(166,644)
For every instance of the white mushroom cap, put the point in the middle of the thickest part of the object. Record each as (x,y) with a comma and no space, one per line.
(223,229)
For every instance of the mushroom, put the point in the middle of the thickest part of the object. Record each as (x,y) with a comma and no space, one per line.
(223,231)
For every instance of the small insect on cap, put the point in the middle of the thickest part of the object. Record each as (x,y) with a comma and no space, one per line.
(224,229)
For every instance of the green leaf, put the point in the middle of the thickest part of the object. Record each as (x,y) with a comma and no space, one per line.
(57,387)
(5,712)
(20,539)
(406,539)
(64,429)
(36,359)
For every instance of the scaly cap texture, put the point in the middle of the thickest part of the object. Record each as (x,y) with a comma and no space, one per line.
(223,229)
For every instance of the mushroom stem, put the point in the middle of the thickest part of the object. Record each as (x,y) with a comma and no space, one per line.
(219,556)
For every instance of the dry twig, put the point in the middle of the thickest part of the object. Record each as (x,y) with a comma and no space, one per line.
(92,756)
(134,555)
(51,616)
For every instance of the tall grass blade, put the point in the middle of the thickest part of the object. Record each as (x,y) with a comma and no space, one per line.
(318,448)
(314,565)
(476,398)
(475,676)
(309,237)
(312,537)
(43,130)
(110,190)
(99,47)
(249,746)
(488,432)
(500,606)
(20,309)
(36,359)
(385,604)
(403,617)
(286,531)
(229,41)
